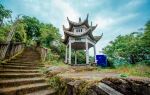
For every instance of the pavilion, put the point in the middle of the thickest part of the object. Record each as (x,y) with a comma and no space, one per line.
(79,37)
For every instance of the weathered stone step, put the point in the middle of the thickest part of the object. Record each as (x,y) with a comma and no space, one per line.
(43,92)
(17,67)
(24,89)
(19,75)
(20,61)
(23,64)
(18,82)
(17,71)
(28,56)
(23,59)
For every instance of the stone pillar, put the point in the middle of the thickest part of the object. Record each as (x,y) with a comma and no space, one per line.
(66,57)
(87,52)
(94,54)
(75,58)
(69,52)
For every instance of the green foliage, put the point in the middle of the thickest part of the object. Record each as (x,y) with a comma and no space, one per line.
(131,48)
(123,75)
(4,13)
(20,32)
(49,33)
(55,82)
(81,57)
(146,39)
(3,33)
(32,27)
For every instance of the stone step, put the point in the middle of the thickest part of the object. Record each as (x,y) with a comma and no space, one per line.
(28,56)
(24,89)
(23,64)
(23,59)
(19,75)
(18,82)
(17,71)
(17,67)
(43,92)
(26,62)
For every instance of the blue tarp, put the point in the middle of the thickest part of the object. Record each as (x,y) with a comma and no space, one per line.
(101,60)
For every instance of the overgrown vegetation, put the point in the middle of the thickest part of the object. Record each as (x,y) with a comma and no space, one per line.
(64,86)
(130,49)
(127,70)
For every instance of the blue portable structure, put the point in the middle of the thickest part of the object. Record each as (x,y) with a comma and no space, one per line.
(101,60)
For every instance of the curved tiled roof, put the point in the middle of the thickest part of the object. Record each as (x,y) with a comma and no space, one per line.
(75,24)
(68,31)
(87,32)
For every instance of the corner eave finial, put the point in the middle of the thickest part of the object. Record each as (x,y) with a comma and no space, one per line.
(68,20)
(79,19)
(87,16)
(101,35)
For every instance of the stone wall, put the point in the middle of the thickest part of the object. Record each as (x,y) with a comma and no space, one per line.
(129,86)
(11,50)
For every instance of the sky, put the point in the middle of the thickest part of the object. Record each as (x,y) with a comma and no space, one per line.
(114,17)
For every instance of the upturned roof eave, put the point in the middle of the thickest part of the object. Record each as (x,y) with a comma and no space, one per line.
(88,32)
(75,24)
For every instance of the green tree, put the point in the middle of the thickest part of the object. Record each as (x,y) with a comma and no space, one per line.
(49,34)
(4,30)
(146,38)
(20,32)
(32,27)
(4,13)
(125,49)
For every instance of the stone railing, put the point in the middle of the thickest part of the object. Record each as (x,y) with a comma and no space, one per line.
(43,52)
(11,50)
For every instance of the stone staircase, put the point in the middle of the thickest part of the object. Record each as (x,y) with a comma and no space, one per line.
(21,76)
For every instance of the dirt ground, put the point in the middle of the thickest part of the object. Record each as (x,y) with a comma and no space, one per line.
(87,73)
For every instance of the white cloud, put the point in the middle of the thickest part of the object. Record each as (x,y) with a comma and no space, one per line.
(108,22)
(53,11)
(134,4)
(111,23)
(65,10)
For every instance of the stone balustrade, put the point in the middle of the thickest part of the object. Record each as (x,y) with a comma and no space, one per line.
(11,50)
(43,52)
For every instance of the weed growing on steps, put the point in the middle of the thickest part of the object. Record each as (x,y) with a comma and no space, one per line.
(79,87)
(43,70)
(58,84)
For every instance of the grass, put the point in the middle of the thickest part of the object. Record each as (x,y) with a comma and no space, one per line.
(140,70)
(55,63)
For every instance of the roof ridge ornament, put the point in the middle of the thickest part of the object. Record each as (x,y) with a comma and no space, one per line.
(79,19)
(87,16)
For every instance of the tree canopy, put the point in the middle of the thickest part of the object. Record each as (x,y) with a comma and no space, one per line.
(130,48)
(4,13)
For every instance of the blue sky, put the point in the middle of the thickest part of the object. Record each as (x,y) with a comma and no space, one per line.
(114,17)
